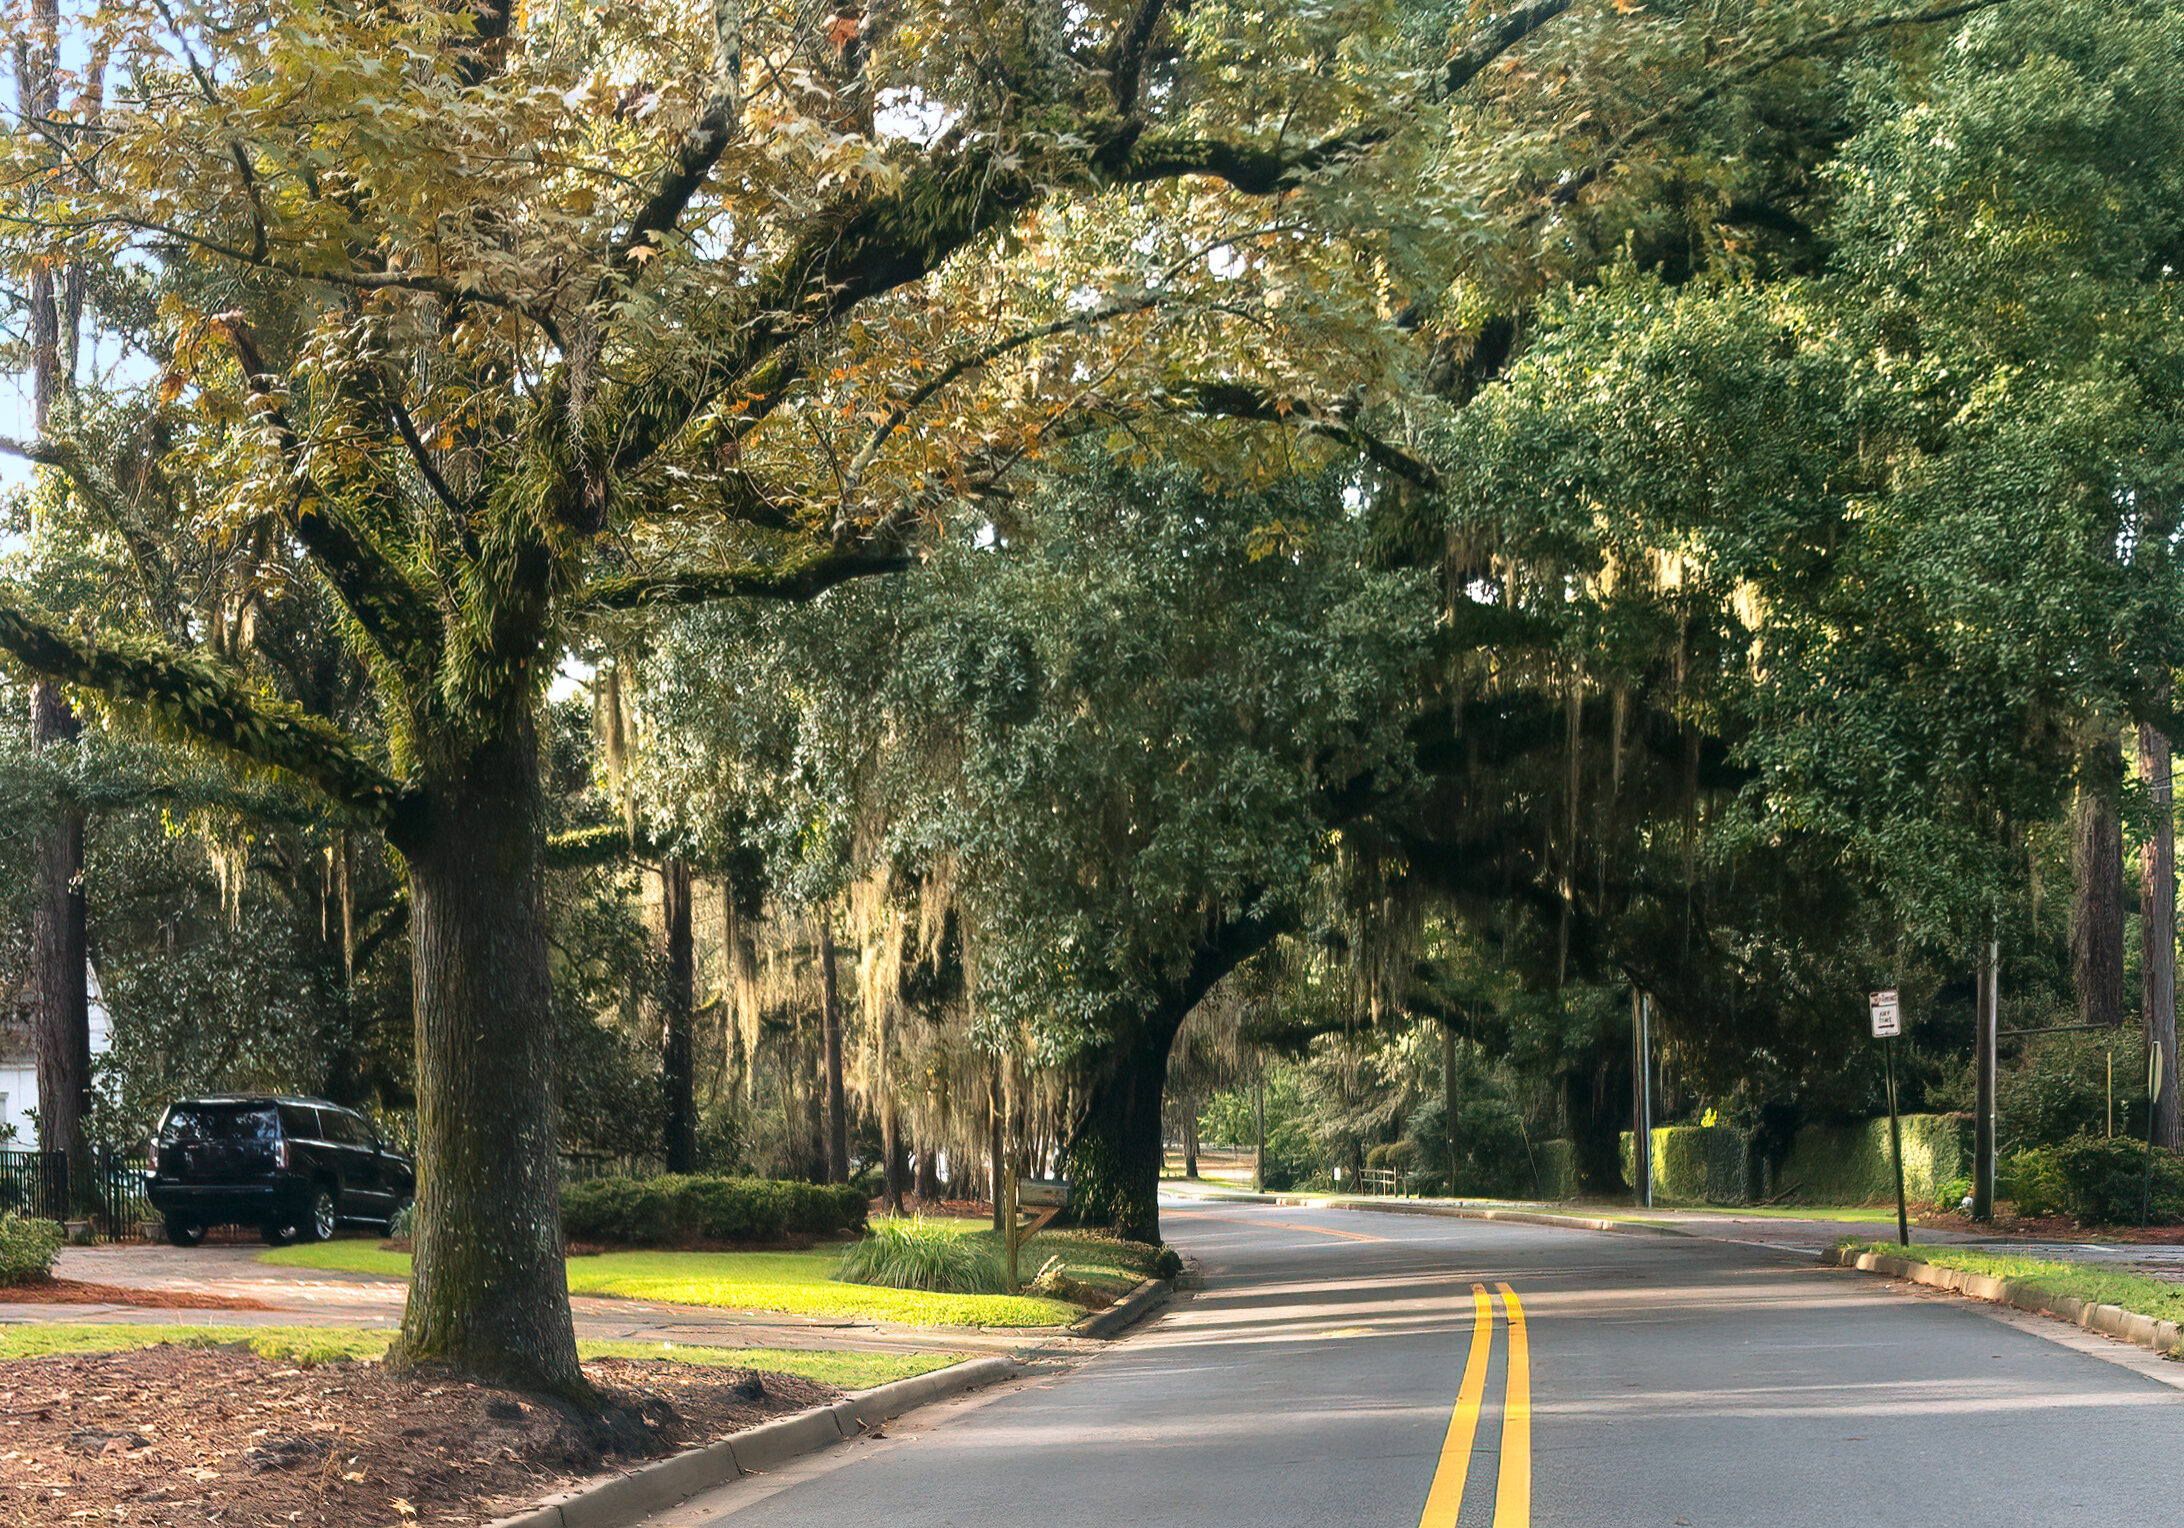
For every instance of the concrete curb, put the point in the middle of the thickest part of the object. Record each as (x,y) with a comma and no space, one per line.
(2110,1320)
(622,1499)
(1450,1212)
(1110,1322)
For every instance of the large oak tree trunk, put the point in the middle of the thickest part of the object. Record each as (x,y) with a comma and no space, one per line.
(678,1081)
(2096,924)
(488,1290)
(59,956)
(830,1024)
(2157,922)
(1114,1157)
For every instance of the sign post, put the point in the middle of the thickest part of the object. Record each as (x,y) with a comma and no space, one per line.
(1887,1025)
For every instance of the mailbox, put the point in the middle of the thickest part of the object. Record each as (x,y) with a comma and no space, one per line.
(1042,1193)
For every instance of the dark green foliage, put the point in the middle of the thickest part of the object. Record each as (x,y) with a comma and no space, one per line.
(913,1254)
(676,1211)
(1290,1157)
(2095,1181)
(1493,1155)
(28,1249)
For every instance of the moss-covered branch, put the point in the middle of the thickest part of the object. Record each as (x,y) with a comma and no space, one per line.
(803,579)
(208,701)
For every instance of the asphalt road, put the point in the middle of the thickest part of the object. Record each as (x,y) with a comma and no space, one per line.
(1316,1379)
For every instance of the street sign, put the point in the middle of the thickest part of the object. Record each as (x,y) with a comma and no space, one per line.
(1887,1015)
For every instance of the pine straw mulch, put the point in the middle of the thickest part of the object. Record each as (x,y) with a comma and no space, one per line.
(192,1437)
(78,1292)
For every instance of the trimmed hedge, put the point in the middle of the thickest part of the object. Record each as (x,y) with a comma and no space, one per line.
(1850,1164)
(28,1249)
(677,1211)
(1557,1169)
(1694,1164)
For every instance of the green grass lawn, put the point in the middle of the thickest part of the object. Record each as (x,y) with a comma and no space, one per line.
(795,1283)
(2103,1286)
(315,1345)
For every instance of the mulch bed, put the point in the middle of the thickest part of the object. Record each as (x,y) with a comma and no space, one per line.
(196,1436)
(77,1292)
(2053,1229)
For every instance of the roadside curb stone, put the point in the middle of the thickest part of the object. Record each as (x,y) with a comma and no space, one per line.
(622,1499)
(2110,1320)
(1111,1321)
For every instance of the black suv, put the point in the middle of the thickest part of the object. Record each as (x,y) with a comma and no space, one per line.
(295,1167)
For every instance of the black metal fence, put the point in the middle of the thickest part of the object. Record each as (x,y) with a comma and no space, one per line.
(103,1188)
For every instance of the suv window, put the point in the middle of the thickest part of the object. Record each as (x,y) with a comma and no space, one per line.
(300,1123)
(346,1128)
(245,1123)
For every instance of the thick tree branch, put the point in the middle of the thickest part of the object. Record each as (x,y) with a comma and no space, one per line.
(802,579)
(1490,43)
(1235,400)
(374,592)
(209,701)
(718,123)
(1720,81)
(606,844)
(406,427)
(1126,71)
(1099,313)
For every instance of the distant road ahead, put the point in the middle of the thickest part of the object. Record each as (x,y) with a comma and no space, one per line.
(1349,1370)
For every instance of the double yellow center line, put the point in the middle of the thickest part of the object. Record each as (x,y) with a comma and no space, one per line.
(1513,1490)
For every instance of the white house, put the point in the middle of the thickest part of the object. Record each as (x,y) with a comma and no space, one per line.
(19,1063)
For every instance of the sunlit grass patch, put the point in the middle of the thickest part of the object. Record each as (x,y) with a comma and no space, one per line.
(280,1344)
(844,1371)
(2138,1292)
(794,1283)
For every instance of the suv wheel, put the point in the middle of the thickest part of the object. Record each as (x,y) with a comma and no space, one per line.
(323,1219)
(184,1233)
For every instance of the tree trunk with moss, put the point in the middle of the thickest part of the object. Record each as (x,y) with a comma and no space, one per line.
(678,1081)
(488,1289)
(2157,927)
(2097,915)
(1114,1157)
(59,954)
(830,1025)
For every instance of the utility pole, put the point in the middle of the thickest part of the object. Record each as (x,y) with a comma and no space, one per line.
(1641,1133)
(1448,1098)
(1988,1003)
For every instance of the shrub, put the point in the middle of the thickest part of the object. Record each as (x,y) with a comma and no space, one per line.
(916,1254)
(1694,1164)
(2094,1181)
(403,1223)
(1852,1164)
(1557,1170)
(28,1249)
(678,1211)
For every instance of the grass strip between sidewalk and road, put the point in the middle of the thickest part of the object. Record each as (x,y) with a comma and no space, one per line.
(334,1344)
(2136,1292)
(795,1283)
